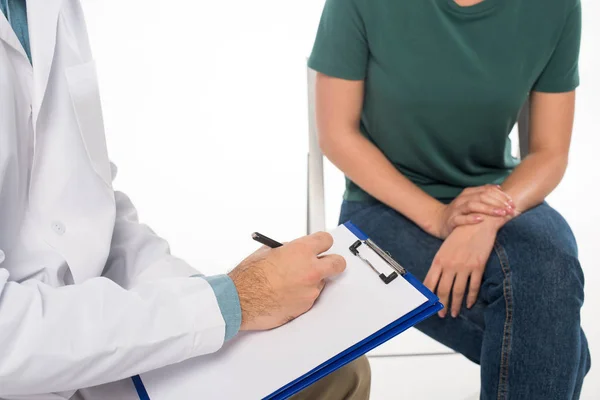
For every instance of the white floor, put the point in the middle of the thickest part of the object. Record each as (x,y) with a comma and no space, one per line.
(447,377)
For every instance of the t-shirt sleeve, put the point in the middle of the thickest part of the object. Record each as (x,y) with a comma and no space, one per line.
(341,49)
(561,73)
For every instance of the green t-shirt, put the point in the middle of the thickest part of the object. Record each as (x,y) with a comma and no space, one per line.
(444,83)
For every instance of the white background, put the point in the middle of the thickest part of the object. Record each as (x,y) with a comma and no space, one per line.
(206,118)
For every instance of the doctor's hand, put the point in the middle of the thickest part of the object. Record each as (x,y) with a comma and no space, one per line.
(458,266)
(277,285)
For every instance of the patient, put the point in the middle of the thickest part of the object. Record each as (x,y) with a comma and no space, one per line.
(415,102)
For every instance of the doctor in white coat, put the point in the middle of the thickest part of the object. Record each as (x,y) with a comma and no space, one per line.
(89,296)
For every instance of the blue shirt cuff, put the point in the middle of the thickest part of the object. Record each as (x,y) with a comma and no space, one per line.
(229,302)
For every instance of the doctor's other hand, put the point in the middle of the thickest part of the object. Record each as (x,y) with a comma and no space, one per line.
(277,285)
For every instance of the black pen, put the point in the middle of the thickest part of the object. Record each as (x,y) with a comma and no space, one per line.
(265,240)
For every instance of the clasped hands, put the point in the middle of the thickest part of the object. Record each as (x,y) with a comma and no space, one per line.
(468,227)
(277,285)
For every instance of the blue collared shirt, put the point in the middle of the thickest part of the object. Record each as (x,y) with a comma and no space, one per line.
(16,13)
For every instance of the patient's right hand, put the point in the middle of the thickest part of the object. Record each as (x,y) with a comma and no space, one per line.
(277,285)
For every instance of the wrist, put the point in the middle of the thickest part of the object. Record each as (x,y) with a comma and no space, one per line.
(433,222)
(254,293)
(238,279)
(494,223)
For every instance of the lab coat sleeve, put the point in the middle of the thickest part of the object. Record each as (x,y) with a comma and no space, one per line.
(76,336)
(137,254)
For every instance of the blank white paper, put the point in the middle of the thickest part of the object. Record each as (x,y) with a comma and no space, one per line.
(352,307)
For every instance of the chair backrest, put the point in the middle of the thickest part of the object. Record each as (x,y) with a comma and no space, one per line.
(523,126)
(315,206)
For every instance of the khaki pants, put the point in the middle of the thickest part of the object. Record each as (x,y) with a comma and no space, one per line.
(351,382)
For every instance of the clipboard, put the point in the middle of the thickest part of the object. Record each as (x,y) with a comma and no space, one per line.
(431,307)
(372,258)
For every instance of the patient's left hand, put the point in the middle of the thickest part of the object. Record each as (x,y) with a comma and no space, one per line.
(463,255)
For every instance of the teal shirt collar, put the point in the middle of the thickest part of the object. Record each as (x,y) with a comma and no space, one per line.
(16,13)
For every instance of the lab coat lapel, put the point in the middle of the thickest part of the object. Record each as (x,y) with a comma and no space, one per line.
(42,18)
(8,35)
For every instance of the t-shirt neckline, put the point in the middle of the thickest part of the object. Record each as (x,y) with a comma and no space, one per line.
(480,7)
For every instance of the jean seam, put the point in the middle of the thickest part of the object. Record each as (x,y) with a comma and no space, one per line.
(507,334)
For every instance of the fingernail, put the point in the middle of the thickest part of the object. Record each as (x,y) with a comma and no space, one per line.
(469,304)
(441,314)
(454,314)
(499,212)
(479,218)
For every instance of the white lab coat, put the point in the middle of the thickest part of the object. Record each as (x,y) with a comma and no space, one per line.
(87,294)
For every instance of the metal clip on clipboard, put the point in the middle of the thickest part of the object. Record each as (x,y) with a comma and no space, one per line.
(398,269)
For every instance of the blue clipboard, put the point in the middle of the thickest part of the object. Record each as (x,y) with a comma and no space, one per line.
(426,310)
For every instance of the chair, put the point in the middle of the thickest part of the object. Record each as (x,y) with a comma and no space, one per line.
(315,204)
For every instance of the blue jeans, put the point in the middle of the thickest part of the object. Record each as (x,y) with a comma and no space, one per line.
(525,329)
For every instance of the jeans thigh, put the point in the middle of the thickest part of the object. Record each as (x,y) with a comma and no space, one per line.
(415,250)
(408,244)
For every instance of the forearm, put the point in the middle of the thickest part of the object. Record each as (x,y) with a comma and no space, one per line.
(138,255)
(368,167)
(535,178)
(542,170)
